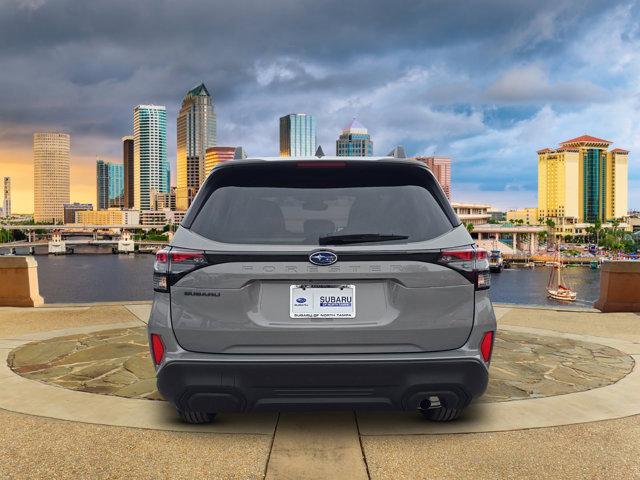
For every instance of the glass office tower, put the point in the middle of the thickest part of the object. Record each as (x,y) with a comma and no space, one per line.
(297,135)
(354,141)
(151,168)
(127,162)
(196,131)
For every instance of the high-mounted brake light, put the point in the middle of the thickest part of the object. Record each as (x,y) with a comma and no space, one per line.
(315,164)
(486,346)
(157,348)
(471,262)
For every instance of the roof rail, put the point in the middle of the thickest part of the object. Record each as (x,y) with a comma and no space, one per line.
(239,154)
(398,152)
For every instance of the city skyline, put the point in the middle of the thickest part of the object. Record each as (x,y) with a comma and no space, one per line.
(486,97)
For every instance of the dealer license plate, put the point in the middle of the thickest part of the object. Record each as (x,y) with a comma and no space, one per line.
(320,301)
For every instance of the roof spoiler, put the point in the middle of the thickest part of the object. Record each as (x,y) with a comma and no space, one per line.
(239,154)
(398,152)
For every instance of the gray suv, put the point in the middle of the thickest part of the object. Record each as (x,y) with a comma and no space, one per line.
(332,283)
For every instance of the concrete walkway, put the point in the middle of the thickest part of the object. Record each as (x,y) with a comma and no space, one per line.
(337,445)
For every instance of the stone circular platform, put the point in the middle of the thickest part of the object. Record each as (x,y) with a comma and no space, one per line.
(117,362)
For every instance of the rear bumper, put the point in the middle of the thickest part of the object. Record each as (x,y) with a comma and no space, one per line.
(215,386)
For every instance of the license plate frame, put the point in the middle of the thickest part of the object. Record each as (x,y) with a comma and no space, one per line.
(339,301)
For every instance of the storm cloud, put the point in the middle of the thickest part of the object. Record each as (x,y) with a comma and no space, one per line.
(485,82)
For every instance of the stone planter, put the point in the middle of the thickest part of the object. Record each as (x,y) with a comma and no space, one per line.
(19,282)
(619,287)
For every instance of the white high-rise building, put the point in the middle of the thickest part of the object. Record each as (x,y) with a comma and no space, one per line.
(150,165)
(6,204)
(51,158)
(196,131)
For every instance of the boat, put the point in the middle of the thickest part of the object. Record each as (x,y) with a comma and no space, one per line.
(496,262)
(556,287)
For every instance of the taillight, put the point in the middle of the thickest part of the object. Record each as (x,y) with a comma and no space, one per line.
(472,263)
(160,271)
(157,348)
(486,345)
(172,264)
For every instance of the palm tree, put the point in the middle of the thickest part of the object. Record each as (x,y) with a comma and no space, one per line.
(550,226)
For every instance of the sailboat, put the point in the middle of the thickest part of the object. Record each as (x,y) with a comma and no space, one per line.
(556,287)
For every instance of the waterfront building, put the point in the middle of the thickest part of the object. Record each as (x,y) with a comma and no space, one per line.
(354,141)
(216,155)
(150,165)
(529,216)
(441,168)
(473,213)
(497,216)
(160,218)
(127,162)
(116,185)
(109,185)
(581,181)
(111,216)
(102,185)
(297,135)
(162,201)
(70,210)
(196,131)
(51,159)
(6,203)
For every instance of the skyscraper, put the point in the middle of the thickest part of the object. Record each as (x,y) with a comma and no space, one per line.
(51,156)
(441,169)
(216,155)
(151,168)
(102,185)
(127,162)
(297,135)
(116,184)
(6,205)
(354,141)
(196,131)
(581,181)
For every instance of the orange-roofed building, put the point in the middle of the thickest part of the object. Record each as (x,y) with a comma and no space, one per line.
(582,181)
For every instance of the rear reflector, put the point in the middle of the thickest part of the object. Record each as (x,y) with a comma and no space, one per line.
(157,348)
(486,345)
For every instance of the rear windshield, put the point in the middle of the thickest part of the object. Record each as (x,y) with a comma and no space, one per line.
(299,206)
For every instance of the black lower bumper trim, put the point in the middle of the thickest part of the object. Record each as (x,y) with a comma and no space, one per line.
(282,386)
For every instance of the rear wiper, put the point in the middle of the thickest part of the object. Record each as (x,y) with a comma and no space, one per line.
(359,238)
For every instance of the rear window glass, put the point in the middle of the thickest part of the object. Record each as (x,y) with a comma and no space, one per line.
(301,216)
(286,214)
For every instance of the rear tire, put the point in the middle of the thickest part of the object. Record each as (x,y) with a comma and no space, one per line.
(442,414)
(195,418)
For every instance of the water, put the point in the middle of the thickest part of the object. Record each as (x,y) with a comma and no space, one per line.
(95,278)
(102,278)
(529,286)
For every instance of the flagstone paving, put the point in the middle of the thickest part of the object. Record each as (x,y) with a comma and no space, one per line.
(117,362)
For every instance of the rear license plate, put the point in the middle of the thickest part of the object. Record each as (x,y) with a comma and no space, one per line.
(319,301)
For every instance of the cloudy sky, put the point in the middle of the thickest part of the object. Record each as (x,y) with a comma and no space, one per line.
(486,83)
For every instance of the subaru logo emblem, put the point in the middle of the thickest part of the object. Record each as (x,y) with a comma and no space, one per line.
(323,258)
(301,300)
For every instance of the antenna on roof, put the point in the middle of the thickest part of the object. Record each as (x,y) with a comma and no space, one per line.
(239,154)
(398,152)
(319,152)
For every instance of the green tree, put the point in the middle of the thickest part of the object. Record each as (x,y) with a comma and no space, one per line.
(469,227)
